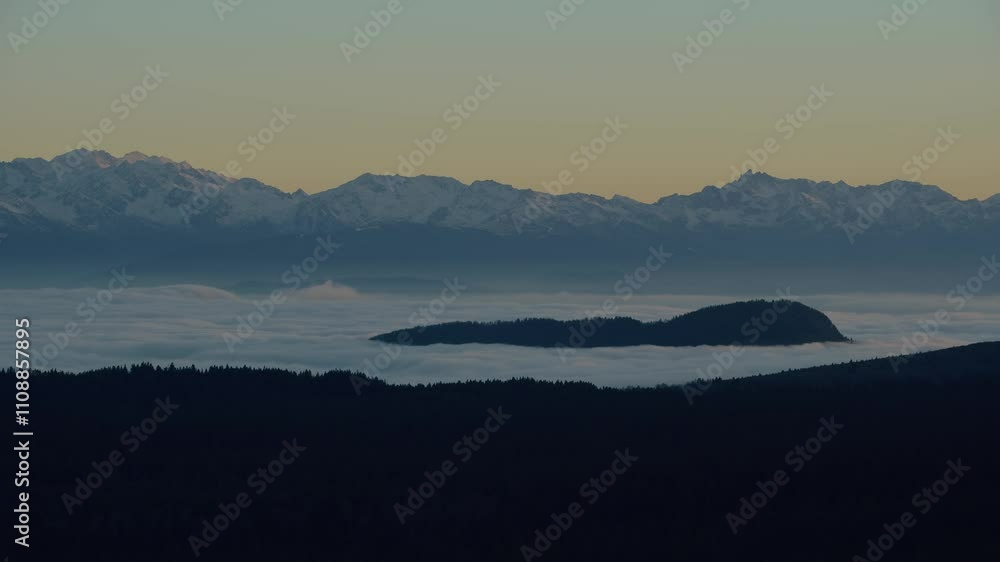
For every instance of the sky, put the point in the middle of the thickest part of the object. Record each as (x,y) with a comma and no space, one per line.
(205,81)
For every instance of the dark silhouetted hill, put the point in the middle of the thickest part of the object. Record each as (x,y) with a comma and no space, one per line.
(756,322)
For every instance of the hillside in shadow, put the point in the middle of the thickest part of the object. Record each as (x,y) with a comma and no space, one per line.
(329,466)
(756,322)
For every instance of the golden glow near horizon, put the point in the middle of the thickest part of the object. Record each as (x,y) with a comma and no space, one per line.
(309,95)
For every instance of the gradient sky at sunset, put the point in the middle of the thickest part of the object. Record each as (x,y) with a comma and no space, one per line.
(606,60)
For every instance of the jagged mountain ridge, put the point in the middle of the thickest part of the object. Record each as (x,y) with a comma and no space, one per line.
(95,191)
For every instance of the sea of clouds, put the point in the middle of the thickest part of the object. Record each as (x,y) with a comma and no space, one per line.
(327,327)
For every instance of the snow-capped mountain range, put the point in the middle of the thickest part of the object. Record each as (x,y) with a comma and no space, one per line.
(98,192)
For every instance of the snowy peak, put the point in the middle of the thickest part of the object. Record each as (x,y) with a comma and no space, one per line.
(134,156)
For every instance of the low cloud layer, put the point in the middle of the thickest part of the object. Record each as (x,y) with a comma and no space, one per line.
(328,326)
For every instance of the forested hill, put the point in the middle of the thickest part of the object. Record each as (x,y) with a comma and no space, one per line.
(756,322)
(360,453)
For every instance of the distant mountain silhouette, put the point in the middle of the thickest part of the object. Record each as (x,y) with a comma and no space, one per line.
(71,219)
(85,191)
(756,322)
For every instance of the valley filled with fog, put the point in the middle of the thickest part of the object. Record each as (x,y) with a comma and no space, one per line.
(328,327)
